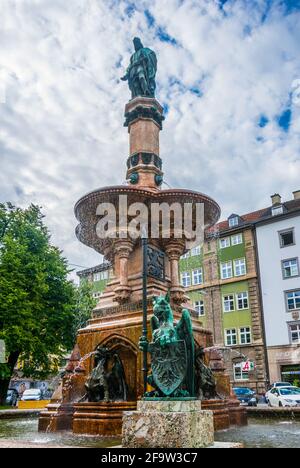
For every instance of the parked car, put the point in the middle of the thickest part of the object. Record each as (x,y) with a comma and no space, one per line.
(284,397)
(246,396)
(12,397)
(32,394)
(276,385)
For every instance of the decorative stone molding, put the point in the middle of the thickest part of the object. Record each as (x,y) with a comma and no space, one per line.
(178,295)
(123,248)
(124,308)
(122,294)
(145,158)
(141,112)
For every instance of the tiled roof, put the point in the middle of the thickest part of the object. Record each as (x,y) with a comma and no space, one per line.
(254,217)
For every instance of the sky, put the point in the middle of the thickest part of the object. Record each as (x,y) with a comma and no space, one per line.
(228,78)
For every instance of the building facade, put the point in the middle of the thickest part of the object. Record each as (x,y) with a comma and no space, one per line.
(278,244)
(98,276)
(222,283)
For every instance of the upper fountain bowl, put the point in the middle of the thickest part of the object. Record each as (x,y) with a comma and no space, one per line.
(87,207)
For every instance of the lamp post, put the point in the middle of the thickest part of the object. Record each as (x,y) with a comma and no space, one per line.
(144,331)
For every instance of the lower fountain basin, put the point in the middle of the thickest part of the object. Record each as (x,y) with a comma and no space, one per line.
(260,433)
(102,418)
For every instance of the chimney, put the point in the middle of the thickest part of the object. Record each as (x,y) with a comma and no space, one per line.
(276,199)
(296,195)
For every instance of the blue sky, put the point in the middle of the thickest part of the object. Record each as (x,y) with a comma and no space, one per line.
(227,74)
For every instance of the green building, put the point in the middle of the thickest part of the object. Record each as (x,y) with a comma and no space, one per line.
(98,276)
(221,281)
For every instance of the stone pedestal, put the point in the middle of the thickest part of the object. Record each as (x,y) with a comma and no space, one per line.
(168,424)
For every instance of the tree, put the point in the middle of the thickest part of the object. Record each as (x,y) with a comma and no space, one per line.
(84,304)
(36,298)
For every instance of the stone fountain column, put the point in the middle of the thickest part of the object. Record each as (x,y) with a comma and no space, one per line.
(174,250)
(143,117)
(123,249)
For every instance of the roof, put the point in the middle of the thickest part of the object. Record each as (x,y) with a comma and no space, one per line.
(96,269)
(255,217)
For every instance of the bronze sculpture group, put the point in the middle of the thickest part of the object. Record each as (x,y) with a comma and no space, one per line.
(107,380)
(178,368)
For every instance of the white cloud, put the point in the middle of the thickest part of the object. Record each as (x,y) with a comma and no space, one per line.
(61,127)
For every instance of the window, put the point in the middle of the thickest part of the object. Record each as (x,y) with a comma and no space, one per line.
(245,335)
(224,242)
(293,300)
(199,307)
(226,270)
(234,221)
(237,239)
(242,301)
(228,303)
(277,210)
(196,251)
(186,255)
(104,275)
(238,372)
(230,337)
(186,279)
(197,276)
(96,295)
(295,332)
(240,267)
(96,277)
(287,238)
(290,268)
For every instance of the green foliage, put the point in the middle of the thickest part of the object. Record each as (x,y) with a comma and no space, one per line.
(4,372)
(296,383)
(85,303)
(36,298)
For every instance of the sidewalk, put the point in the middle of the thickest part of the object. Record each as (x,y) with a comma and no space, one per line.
(16,413)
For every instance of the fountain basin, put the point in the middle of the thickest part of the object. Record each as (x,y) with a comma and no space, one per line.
(102,418)
(260,433)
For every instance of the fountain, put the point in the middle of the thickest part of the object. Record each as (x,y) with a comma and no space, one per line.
(116,324)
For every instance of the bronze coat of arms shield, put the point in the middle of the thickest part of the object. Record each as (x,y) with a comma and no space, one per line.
(169,365)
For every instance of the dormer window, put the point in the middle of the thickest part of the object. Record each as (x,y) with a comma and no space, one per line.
(277,210)
(233,221)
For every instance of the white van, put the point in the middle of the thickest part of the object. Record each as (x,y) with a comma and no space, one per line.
(33,394)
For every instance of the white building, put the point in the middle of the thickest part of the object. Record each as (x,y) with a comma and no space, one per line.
(278,249)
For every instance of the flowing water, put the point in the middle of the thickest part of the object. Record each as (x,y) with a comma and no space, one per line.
(264,433)
(27,430)
(259,433)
